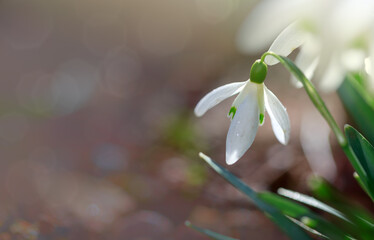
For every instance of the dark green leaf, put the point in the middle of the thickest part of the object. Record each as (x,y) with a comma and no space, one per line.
(358,103)
(362,185)
(364,153)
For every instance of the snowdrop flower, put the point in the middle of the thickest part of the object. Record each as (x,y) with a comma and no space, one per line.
(248,111)
(335,36)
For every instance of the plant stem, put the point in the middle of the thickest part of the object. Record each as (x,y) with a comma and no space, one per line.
(316,100)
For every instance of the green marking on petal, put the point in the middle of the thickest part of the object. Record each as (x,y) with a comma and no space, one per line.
(261,118)
(232,112)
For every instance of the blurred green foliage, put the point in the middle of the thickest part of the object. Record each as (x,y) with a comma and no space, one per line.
(180,133)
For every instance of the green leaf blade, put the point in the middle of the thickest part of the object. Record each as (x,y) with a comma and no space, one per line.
(311,202)
(358,103)
(364,154)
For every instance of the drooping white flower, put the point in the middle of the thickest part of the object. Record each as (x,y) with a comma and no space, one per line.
(334,36)
(247,114)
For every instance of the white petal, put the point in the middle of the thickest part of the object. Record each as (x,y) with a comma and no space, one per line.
(349,20)
(261,102)
(216,96)
(249,88)
(353,59)
(243,129)
(287,41)
(332,77)
(369,67)
(267,19)
(307,61)
(279,117)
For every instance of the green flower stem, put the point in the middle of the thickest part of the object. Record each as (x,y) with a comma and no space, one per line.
(316,99)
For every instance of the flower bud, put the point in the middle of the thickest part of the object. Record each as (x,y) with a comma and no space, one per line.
(258,73)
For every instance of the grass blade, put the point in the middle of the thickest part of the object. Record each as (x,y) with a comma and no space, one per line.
(311,202)
(290,228)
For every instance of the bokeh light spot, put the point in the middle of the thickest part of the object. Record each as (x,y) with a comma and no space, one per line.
(73,85)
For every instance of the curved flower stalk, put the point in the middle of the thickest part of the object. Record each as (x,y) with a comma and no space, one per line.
(248,112)
(335,36)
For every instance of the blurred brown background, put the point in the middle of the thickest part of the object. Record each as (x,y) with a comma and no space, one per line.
(97,135)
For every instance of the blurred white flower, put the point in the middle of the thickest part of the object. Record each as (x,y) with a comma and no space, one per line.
(334,36)
(247,113)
